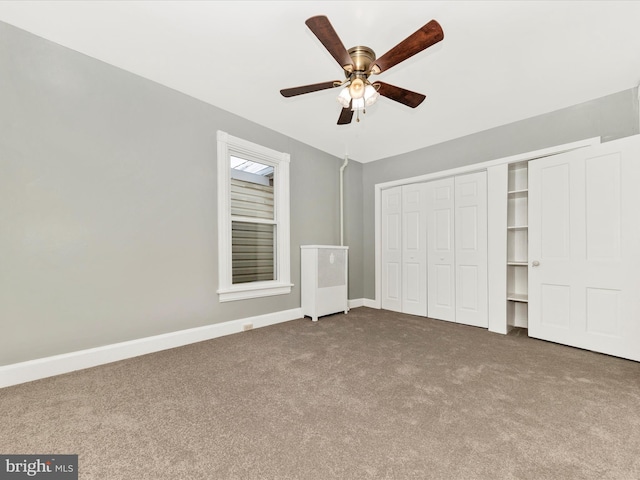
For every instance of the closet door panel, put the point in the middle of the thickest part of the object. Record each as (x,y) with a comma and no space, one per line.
(441,249)
(468,288)
(471,249)
(392,249)
(414,250)
(443,282)
(552,282)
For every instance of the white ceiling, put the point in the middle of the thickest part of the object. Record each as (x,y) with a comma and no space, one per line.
(500,61)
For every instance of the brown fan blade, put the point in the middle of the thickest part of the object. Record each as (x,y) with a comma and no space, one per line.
(345,116)
(400,95)
(425,37)
(292,92)
(322,28)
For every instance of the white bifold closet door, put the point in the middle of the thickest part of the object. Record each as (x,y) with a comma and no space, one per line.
(457,249)
(471,249)
(414,249)
(404,249)
(584,245)
(434,249)
(441,249)
(391,254)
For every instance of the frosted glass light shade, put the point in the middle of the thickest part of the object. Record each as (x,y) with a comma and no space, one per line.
(344,98)
(370,95)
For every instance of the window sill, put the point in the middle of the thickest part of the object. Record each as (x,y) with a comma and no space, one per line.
(253,290)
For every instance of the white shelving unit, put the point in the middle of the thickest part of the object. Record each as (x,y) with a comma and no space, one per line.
(517,246)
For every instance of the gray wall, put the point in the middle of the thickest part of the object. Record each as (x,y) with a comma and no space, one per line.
(353,226)
(108,225)
(610,117)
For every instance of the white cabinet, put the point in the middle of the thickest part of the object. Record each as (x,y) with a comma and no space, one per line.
(324,280)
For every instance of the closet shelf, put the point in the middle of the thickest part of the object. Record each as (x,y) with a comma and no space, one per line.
(517,245)
(518,297)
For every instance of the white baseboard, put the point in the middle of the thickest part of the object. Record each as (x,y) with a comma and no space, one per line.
(367,302)
(68,362)
(356,302)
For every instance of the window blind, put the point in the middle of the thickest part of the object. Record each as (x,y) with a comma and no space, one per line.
(251,199)
(252,244)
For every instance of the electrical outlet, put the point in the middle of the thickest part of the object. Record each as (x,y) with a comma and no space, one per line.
(247,326)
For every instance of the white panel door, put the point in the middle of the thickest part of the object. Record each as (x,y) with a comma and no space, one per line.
(471,249)
(414,250)
(584,244)
(441,250)
(392,249)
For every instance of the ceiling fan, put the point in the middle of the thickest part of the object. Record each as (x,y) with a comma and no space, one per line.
(360,62)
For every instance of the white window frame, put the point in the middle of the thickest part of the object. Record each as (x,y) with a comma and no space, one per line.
(228,146)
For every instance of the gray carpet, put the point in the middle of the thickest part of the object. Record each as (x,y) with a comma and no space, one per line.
(371,394)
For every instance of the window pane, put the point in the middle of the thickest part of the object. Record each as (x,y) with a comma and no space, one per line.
(252,252)
(251,189)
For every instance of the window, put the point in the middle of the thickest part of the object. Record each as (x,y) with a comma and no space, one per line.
(253,220)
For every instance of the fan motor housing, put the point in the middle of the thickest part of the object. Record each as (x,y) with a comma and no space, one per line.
(362,58)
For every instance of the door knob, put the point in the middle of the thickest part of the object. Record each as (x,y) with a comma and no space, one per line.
(535,263)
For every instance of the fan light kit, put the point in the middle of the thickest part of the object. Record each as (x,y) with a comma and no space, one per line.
(360,62)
